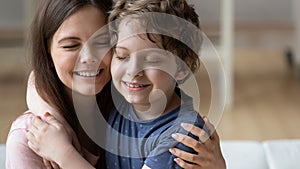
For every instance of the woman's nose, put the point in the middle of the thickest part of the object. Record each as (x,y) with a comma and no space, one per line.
(87,56)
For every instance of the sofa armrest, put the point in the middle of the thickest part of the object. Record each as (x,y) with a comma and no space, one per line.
(244,155)
(2,155)
(283,153)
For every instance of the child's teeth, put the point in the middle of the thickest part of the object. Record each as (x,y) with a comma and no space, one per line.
(134,85)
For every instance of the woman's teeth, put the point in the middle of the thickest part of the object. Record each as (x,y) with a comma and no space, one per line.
(88,74)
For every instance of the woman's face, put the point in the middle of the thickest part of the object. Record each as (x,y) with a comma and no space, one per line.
(81,62)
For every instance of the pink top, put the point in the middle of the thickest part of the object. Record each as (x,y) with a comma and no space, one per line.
(18,154)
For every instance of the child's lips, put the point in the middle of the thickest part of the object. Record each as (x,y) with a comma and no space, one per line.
(135,85)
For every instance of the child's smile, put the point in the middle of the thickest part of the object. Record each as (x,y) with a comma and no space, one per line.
(143,72)
(135,86)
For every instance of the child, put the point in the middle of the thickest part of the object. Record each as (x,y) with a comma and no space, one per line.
(146,67)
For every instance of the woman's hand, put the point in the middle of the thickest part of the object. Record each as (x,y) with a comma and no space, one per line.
(208,147)
(49,139)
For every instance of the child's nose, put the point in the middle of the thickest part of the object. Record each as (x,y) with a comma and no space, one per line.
(135,68)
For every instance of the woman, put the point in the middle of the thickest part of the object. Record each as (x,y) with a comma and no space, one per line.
(60,29)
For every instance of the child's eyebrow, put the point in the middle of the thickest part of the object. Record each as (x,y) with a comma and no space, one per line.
(121,47)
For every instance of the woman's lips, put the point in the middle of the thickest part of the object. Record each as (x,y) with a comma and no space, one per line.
(88,73)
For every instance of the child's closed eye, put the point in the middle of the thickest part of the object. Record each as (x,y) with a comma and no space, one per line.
(120,54)
(120,57)
(153,59)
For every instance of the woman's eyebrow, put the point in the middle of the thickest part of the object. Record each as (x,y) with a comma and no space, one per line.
(68,38)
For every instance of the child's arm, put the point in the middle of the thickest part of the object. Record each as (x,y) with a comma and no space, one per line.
(200,148)
(211,156)
(49,139)
(18,154)
(159,157)
(39,107)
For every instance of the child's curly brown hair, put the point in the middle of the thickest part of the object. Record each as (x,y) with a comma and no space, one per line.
(185,44)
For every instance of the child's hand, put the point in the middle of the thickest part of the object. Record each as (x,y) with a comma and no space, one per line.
(208,147)
(49,138)
(50,164)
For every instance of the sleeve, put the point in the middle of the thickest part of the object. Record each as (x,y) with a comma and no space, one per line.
(18,154)
(160,157)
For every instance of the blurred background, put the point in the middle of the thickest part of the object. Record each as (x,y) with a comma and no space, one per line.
(256,41)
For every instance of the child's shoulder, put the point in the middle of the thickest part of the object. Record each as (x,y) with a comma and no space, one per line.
(191,116)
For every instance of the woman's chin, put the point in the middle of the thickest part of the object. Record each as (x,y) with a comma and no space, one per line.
(88,91)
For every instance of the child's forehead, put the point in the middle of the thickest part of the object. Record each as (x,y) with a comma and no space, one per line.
(135,24)
(130,27)
(129,21)
(137,43)
(132,30)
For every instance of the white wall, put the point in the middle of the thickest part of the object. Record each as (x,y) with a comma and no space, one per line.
(247,11)
(12,14)
(253,11)
(263,11)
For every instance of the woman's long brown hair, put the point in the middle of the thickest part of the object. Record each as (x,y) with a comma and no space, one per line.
(50,15)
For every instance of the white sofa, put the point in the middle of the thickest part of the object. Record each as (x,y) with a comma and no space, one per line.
(273,154)
(244,155)
(2,156)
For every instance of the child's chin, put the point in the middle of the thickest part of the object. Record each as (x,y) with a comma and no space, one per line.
(133,100)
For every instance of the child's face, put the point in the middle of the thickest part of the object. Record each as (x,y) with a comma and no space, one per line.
(141,68)
(77,67)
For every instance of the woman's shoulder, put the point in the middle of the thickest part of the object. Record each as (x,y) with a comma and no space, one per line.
(21,122)
(18,153)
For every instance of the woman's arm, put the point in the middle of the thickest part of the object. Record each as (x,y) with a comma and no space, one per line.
(208,147)
(50,140)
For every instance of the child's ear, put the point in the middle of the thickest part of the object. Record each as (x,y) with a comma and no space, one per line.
(182,75)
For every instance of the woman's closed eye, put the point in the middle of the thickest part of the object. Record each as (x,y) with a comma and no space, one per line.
(102,43)
(71,46)
(101,38)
